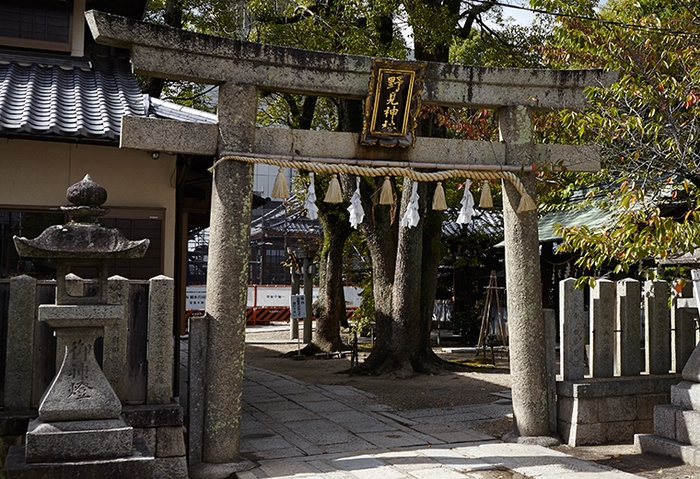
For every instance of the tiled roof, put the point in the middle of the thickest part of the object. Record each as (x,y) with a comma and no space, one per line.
(60,98)
(165,109)
(486,221)
(286,219)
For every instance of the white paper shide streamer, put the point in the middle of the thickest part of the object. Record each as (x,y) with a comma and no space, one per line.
(357,213)
(467,211)
(310,202)
(412,217)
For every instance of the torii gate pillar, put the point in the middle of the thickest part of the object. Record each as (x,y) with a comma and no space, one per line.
(523,283)
(227,278)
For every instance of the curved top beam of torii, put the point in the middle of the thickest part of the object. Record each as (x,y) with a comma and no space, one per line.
(181,55)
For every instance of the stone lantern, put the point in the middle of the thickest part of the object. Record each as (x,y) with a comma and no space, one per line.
(80,414)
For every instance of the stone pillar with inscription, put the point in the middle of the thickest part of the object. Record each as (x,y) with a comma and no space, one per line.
(80,430)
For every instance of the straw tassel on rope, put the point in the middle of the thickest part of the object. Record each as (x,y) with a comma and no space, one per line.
(334,193)
(526,204)
(386,197)
(280,188)
(486,200)
(439,203)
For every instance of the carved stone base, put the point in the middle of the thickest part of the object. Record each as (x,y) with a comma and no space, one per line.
(78,440)
(80,391)
(139,465)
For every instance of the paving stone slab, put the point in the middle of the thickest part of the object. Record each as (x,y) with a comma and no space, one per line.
(328,405)
(393,439)
(288,468)
(451,434)
(367,467)
(274,454)
(437,473)
(407,460)
(279,405)
(354,444)
(258,398)
(347,416)
(320,432)
(368,425)
(536,461)
(293,415)
(307,398)
(268,443)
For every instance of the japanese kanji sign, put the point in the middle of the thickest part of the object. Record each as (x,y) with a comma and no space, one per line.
(392,104)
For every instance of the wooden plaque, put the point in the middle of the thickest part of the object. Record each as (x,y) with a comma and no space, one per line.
(392,104)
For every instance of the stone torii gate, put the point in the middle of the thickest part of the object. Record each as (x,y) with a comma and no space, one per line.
(243,68)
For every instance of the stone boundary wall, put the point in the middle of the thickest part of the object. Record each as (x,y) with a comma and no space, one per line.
(620,360)
(610,410)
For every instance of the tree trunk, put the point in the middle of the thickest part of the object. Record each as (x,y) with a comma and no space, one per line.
(330,309)
(331,306)
(404,268)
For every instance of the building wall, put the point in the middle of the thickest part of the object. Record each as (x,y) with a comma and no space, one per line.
(37,173)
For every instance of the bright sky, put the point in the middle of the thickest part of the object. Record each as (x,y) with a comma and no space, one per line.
(523,17)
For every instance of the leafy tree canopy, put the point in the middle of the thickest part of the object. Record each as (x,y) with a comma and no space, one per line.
(646,123)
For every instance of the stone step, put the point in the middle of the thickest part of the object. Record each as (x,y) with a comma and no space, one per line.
(677,424)
(645,443)
(686,395)
(665,421)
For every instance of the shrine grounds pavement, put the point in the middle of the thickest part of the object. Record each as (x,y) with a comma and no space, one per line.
(293,429)
(296,430)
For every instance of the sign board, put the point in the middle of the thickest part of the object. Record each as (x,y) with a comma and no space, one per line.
(392,104)
(297,306)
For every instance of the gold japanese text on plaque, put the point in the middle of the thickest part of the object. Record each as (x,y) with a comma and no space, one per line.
(392,104)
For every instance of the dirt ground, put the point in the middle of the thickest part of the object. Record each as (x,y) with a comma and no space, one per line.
(266,350)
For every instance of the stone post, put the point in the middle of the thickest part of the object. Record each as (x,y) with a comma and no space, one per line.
(227,277)
(309,296)
(657,328)
(550,326)
(196,376)
(682,329)
(628,354)
(572,326)
(602,343)
(20,343)
(161,296)
(114,362)
(525,319)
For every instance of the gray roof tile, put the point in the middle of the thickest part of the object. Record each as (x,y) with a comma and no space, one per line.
(173,111)
(64,99)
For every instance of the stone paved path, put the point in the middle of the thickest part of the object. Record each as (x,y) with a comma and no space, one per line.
(293,429)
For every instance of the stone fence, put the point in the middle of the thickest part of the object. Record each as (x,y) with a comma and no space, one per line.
(136,356)
(619,356)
